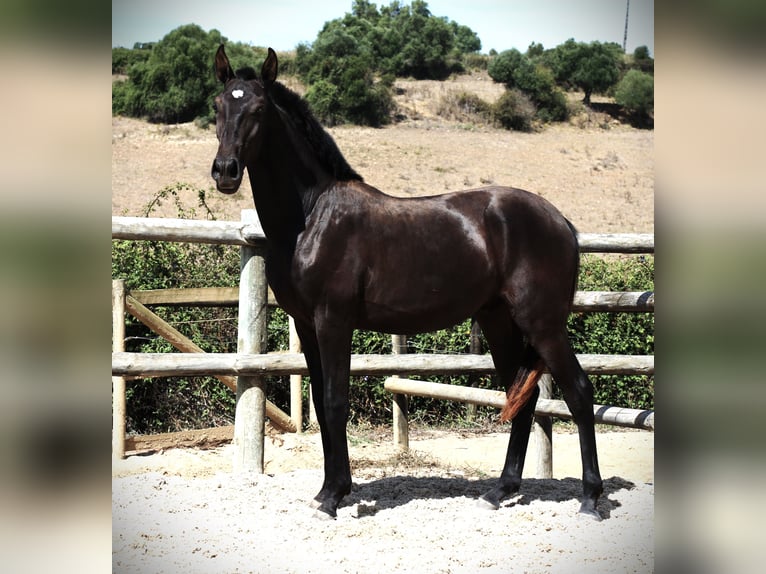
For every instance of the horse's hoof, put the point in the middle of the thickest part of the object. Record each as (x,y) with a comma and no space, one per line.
(323,515)
(315,504)
(589,514)
(482,502)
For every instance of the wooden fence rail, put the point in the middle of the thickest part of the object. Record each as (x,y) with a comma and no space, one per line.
(276,364)
(591,301)
(250,364)
(616,416)
(249,233)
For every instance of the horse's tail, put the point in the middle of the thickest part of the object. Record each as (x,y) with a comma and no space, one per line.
(523,386)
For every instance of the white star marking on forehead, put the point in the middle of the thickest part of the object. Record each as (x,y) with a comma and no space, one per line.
(237,94)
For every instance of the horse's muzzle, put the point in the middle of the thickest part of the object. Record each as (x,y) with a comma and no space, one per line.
(227,174)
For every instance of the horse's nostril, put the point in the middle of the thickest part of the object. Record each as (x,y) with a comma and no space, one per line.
(232,168)
(228,168)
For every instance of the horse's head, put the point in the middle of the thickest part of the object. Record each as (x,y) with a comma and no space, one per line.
(238,113)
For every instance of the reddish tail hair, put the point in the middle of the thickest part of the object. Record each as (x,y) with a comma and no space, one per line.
(522,389)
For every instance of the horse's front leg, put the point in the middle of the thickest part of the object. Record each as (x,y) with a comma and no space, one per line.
(334,339)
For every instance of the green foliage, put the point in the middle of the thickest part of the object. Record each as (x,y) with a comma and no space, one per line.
(641,60)
(534,79)
(502,67)
(514,111)
(350,67)
(641,53)
(635,93)
(173,81)
(617,333)
(593,67)
(124,58)
(350,94)
(537,82)
(164,404)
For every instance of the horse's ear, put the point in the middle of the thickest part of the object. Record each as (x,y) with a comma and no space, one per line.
(270,68)
(223,69)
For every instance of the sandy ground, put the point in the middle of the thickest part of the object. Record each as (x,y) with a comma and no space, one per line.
(183,510)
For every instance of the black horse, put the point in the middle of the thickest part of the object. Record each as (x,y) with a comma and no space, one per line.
(343,255)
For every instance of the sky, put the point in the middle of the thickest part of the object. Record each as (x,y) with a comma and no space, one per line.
(283,24)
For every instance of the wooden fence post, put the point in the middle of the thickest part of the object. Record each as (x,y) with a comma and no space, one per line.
(249,417)
(296,382)
(118,383)
(399,407)
(544,432)
(473,379)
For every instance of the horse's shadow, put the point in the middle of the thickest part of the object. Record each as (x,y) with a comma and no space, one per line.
(394,491)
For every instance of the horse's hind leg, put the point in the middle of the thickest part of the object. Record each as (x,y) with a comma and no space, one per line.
(507,347)
(557,352)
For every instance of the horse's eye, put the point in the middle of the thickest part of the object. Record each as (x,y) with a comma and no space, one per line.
(215,108)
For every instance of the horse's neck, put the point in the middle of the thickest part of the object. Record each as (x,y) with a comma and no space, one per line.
(286,181)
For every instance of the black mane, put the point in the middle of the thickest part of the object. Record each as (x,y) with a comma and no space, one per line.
(325,147)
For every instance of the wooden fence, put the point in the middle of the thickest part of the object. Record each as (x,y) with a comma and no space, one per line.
(251,362)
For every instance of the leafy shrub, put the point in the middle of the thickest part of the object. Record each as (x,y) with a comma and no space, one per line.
(124,58)
(502,67)
(518,71)
(174,82)
(514,111)
(635,93)
(537,82)
(617,333)
(169,404)
(351,65)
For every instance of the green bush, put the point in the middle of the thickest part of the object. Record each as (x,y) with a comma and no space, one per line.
(350,67)
(635,93)
(617,333)
(124,58)
(169,404)
(514,111)
(502,67)
(174,81)
(537,82)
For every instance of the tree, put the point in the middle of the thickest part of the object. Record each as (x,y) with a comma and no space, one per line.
(502,67)
(466,40)
(175,83)
(642,60)
(593,68)
(635,93)
(536,81)
(350,66)
(339,70)
(641,53)
(535,50)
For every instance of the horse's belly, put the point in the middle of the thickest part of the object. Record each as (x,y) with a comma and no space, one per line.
(418,307)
